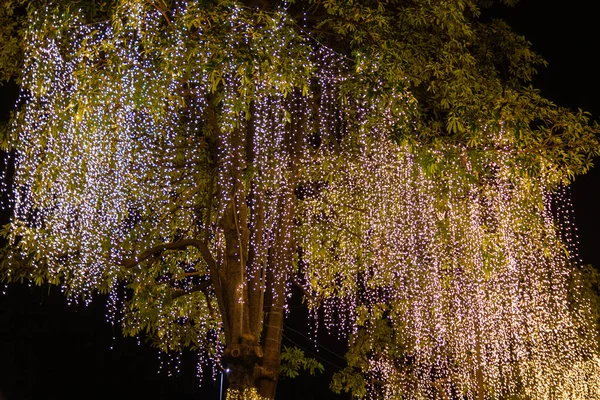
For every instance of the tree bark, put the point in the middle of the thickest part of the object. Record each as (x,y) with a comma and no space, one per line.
(255,365)
(280,260)
(257,265)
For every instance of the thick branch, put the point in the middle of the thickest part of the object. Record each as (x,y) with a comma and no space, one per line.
(305,292)
(202,287)
(158,250)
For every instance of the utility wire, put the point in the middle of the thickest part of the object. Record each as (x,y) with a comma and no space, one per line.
(316,355)
(315,342)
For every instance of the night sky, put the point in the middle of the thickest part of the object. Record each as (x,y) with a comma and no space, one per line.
(50,350)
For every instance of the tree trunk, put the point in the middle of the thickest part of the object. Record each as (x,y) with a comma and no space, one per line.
(256,268)
(280,260)
(269,366)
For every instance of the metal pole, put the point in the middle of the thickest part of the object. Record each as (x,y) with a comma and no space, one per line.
(221,391)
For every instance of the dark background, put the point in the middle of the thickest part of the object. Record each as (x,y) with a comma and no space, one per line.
(50,350)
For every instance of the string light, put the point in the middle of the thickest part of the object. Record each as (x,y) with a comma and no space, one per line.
(469,260)
(461,267)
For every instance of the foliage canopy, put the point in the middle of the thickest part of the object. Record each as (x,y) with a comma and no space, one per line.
(197,159)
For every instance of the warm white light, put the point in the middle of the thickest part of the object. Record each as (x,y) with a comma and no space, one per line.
(457,248)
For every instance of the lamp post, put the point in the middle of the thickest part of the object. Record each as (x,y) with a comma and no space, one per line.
(221,391)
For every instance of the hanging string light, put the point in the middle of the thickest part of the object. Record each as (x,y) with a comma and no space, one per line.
(454,249)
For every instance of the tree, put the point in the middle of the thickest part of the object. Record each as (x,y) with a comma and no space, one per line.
(195,159)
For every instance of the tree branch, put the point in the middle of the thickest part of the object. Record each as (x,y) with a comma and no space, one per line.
(202,287)
(305,292)
(162,12)
(157,250)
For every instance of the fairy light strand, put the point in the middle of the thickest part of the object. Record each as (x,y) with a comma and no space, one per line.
(113,157)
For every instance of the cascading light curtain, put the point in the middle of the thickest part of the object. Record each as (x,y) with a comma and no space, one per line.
(456,249)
